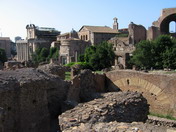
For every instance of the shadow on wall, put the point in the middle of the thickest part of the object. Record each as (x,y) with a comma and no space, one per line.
(110,86)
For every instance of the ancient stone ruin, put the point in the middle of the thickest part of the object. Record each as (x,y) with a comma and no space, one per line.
(30,100)
(53,69)
(117,106)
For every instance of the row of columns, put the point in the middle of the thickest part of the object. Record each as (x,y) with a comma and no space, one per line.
(22,52)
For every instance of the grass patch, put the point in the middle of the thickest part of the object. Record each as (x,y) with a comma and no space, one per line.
(163,116)
(67,75)
(170,72)
(99,72)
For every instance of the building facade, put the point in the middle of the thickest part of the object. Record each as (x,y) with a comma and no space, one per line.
(97,34)
(37,37)
(124,43)
(5,43)
(71,47)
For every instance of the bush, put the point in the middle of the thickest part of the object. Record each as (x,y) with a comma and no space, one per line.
(159,54)
(100,56)
(44,54)
(83,65)
(70,64)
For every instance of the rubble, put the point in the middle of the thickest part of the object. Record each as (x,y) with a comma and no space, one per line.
(115,106)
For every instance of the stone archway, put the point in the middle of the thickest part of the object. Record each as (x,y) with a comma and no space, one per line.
(164,26)
(156,97)
(168,15)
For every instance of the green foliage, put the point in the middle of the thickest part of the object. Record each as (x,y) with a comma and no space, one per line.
(70,64)
(67,75)
(81,58)
(100,56)
(163,116)
(43,54)
(143,55)
(122,35)
(3,57)
(160,53)
(83,65)
(54,53)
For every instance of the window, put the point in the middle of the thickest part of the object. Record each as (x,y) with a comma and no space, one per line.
(172,27)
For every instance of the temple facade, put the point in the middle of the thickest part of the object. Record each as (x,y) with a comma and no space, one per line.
(37,37)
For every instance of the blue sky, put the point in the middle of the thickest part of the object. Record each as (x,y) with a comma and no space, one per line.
(67,14)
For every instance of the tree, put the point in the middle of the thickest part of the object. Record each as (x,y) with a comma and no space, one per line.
(100,56)
(43,54)
(3,57)
(54,53)
(160,53)
(143,55)
(81,58)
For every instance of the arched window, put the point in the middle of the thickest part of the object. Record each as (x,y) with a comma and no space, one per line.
(172,27)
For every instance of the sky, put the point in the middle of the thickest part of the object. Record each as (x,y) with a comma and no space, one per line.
(64,15)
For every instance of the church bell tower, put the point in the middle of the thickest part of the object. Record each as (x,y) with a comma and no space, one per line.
(115,24)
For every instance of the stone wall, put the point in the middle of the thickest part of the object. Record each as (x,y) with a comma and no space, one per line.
(5,44)
(30,100)
(152,33)
(136,33)
(86,86)
(53,69)
(159,89)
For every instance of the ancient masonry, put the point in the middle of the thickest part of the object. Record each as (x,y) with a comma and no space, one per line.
(32,99)
(73,44)
(37,37)
(158,89)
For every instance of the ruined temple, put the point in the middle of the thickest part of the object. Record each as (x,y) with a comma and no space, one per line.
(37,37)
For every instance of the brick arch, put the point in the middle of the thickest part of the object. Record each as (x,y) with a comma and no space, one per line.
(155,96)
(168,15)
(164,23)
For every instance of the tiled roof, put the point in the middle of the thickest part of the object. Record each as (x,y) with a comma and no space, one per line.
(100,29)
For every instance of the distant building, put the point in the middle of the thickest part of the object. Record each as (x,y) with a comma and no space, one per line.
(124,43)
(37,37)
(5,44)
(97,34)
(17,38)
(71,47)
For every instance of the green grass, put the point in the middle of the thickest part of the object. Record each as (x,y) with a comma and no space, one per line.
(67,75)
(170,72)
(163,116)
(99,72)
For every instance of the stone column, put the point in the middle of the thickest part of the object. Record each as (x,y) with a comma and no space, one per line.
(27,51)
(17,51)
